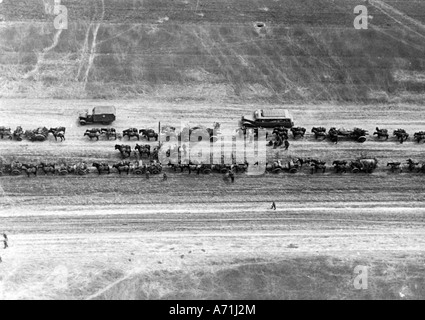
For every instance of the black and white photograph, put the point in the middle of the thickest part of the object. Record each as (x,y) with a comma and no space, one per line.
(212,155)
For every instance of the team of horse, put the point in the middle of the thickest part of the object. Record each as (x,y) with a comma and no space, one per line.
(39,134)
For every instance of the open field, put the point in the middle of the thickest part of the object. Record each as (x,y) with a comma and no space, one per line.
(221,50)
(199,237)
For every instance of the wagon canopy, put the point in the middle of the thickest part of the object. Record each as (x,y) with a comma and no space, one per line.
(104,110)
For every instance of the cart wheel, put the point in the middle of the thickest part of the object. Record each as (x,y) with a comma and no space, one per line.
(223,170)
(63,172)
(293,170)
(16,172)
(138,171)
(155,171)
(207,171)
(361,139)
(355,170)
(277,170)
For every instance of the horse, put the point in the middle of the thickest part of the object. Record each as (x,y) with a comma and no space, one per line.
(18,133)
(340,166)
(148,134)
(298,132)
(58,132)
(124,150)
(93,133)
(418,136)
(318,165)
(109,132)
(395,166)
(122,166)
(47,168)
(6,132)
(30,168)
(333,135)
(175,166)
(102,167)
(146,149)
(411,165)
(381,133)
(319,132)
(401,135)
(132,132)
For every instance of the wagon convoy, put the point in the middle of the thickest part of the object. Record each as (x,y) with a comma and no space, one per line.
(39,134)
(279,121)
(138,167)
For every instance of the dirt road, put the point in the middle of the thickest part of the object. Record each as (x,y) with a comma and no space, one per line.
(96,230)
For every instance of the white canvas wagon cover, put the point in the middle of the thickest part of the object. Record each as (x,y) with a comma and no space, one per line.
(104,110)
(276,113)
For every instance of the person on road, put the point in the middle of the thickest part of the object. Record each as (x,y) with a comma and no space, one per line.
(147,174)
(164,177)
(5,236)
(273,206)
(5,244)
(232,176)
(286,143)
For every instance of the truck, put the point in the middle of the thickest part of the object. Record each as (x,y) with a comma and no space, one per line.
(101,114)
(268,119)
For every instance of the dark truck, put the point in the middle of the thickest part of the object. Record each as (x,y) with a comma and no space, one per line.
(268,119)
(102,114)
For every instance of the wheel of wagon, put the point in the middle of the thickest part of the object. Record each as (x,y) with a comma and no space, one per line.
(223,170)
(16,172)
(19,138)
(83,123)
(361,139)
(63,172)
(82,172)
(155,171)
(293,170)
(355,170)
(277,170)
(138,171)
(206,171)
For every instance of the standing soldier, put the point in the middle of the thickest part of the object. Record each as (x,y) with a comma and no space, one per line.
(164,177)
(147,174)
(286,143)
(184,150)
(251,135)
(232,176)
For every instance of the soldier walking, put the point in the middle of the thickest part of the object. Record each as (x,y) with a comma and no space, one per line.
(147,174)
(5,241)
(273,206)
(164,177)
(232,176)
(286,143)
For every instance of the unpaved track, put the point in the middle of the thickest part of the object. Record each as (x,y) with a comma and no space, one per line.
(128,224)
